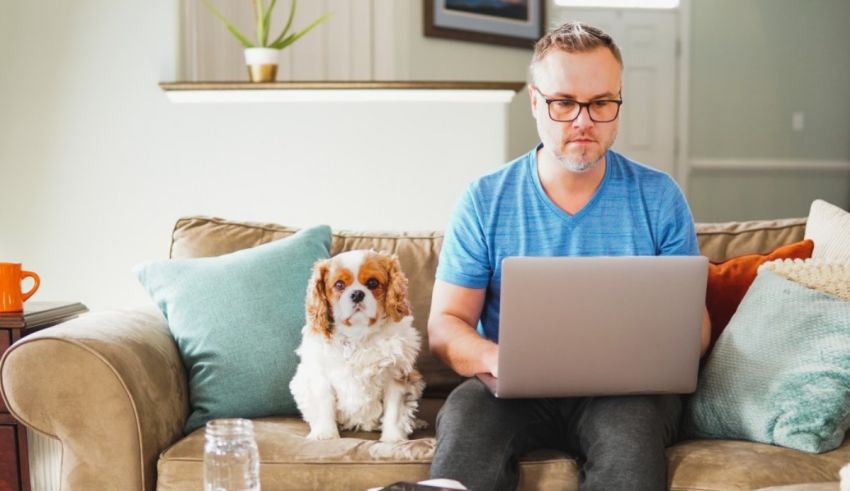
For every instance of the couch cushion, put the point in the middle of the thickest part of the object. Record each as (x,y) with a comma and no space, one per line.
(721,241)
(237,320)
(829,227)
(205,236)
(418,253)
(729,465)
(356,461)
(779,373)
(728,282)
(811,486)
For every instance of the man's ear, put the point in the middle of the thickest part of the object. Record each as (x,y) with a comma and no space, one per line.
(533,99)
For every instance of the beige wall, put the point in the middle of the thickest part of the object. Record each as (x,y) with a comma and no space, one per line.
(753,64)
(753,195)
(756,62)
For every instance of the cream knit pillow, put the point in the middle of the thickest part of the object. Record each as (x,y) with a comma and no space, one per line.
(829,227)
(823,275)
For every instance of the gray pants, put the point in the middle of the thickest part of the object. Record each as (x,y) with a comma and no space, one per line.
(619,441)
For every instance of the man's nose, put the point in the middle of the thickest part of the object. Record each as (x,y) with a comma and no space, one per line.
(357,296)
(583,119)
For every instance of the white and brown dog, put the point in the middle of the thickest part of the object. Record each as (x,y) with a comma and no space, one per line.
(358,349)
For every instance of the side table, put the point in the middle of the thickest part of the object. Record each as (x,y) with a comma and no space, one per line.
(14,463)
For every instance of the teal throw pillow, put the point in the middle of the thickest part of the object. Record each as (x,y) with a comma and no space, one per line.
(780,372)
(237,320)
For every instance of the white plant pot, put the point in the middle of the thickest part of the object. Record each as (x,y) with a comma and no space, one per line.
(262,64)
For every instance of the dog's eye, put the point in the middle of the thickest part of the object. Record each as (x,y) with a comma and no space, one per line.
(371,283)
(339,285)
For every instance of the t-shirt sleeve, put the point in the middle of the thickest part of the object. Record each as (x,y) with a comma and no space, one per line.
(675,225)
(463,258)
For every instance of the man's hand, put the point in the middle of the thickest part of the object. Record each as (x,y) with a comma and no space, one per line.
(491,359)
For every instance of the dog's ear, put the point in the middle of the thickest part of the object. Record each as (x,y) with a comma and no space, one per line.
(318,311)
(397,305)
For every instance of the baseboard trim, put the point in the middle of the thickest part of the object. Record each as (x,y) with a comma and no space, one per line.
(717,165)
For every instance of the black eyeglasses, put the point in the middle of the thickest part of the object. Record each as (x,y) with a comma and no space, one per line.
(568,110)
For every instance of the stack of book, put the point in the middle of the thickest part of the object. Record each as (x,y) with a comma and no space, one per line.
(38,315)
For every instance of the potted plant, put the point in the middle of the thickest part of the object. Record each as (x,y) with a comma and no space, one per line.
(262,56)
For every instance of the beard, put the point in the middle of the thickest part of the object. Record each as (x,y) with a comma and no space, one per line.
(578,166)
(586,161)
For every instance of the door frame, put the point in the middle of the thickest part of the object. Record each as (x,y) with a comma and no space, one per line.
(683,84)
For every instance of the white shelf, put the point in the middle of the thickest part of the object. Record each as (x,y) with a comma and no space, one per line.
(281,92)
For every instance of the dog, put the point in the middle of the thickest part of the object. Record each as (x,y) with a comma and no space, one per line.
(358,349)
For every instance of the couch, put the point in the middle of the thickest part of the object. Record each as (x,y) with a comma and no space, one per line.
(110,386)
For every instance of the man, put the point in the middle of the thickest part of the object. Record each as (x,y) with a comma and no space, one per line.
(570,196)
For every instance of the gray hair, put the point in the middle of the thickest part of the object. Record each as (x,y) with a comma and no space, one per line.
(573,37)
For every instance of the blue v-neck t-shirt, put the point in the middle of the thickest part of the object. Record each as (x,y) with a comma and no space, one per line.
(636,211)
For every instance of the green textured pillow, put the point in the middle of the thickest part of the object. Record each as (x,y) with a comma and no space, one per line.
(780,372)
(237,320)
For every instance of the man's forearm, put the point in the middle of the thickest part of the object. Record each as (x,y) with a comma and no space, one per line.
(460,347)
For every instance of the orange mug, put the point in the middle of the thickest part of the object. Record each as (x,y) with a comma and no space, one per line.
(12,297)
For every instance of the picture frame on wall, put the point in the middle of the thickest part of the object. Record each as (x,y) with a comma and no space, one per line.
(504,22)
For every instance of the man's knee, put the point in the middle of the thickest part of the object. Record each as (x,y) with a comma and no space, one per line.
(639,420)
(471,443)
(469,401)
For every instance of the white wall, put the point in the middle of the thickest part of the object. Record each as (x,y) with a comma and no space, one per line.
(426,58)
(96,164)
(366,39)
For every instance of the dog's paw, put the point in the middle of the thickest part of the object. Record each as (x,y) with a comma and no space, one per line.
(323,433)
(844,476)
(392,434)
(419,424)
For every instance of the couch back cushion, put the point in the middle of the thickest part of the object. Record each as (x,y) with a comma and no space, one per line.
(722,241)
(419,252)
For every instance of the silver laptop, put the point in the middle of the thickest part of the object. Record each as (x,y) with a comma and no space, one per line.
(583,326)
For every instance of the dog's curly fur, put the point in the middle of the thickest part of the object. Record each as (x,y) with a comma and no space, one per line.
(358,349)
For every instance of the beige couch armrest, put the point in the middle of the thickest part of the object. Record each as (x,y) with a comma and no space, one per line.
(110,386)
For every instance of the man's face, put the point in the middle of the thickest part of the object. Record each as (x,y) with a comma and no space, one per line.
(579,145)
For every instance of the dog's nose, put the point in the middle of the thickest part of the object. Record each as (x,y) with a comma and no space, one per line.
(357,296)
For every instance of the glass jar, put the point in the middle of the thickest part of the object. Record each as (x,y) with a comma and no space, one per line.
(231,459)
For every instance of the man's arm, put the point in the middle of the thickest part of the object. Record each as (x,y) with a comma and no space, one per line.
(678,237)
(455,311)
(705,338)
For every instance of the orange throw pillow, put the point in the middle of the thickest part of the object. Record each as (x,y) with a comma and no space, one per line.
(729,280)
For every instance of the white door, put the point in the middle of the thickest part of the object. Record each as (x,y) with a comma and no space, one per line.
(648,41)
